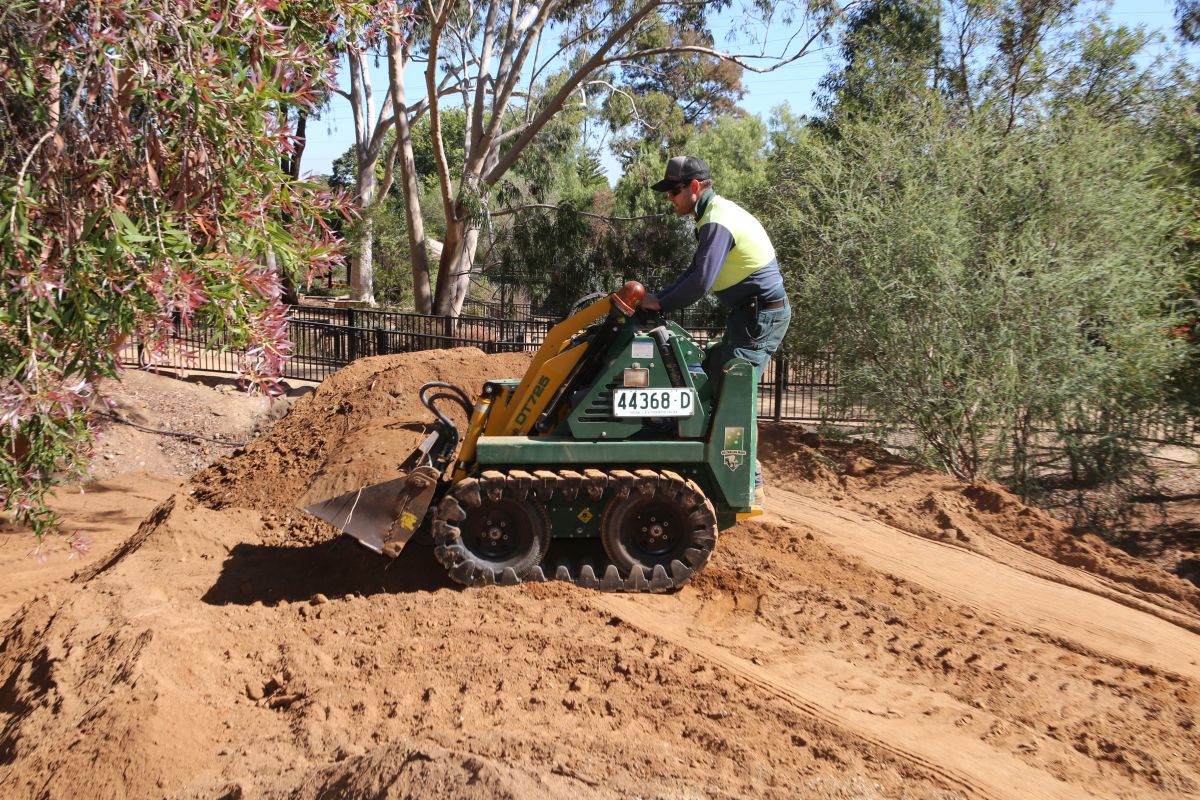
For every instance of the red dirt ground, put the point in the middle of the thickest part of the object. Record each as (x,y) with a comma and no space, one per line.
(883,631)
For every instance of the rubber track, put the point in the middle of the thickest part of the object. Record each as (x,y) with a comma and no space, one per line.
(542,486)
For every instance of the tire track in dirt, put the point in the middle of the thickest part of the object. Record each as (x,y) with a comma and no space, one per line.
(830,630)
(1006,551)
(1030,593)
(1039,566)
(909,735)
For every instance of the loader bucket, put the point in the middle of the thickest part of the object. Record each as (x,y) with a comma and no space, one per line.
(383,516)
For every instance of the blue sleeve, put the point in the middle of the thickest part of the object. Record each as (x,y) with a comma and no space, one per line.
(713,243)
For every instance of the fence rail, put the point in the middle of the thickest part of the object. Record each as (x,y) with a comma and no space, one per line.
(326,339)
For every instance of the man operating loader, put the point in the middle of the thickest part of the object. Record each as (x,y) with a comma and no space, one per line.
(735,259)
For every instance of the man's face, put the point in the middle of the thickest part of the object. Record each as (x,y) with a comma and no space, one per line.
(684,197)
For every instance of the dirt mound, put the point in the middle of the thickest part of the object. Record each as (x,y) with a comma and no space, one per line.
(870,637)
(187,665)
(141,426)
(352,431)
(977,516)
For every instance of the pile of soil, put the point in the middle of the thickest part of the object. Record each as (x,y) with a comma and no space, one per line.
(883,631)
(353,431)
(983,517)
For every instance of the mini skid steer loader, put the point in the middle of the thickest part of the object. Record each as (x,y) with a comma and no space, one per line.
(611,464)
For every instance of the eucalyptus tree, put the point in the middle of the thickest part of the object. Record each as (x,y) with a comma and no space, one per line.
(515,66)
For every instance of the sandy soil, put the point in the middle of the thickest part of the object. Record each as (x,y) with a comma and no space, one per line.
(883,631)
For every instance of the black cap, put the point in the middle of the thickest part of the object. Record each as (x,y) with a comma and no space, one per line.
(681,170)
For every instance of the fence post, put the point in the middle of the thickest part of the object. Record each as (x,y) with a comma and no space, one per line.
(352,333)
(448,330)
(780,382)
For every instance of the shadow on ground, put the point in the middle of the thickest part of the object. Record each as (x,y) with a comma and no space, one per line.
(272,574)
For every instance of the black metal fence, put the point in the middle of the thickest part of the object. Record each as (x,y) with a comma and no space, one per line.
(325,339)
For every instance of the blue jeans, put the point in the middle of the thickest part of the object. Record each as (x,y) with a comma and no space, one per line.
(754,337)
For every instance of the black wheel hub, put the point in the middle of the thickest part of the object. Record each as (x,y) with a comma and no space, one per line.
(654,529)
(497,531)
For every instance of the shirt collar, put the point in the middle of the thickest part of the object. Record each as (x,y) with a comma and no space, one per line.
(702,203)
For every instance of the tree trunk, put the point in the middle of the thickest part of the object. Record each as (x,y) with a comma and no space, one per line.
(454,270)
(301,131)
(397,57)
(466,261)
(362,269)
(290,295)
(422,296)
(291,167)
(447,287)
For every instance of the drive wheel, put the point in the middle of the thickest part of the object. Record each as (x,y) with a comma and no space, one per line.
(484,539)
(659,521)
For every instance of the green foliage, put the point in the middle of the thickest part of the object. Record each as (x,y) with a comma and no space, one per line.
(454,121)
(1106,77)
(1006,218)
(666,98)
(1187,16)
(141,144)
(983,287)
(735,148)
(561,254)
(890,51)
(393,265)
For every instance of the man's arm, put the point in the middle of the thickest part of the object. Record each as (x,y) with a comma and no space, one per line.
(713,243)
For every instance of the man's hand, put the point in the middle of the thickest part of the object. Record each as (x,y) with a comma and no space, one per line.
(650,302)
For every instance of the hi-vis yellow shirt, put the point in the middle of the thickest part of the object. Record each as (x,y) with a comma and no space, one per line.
(752,249)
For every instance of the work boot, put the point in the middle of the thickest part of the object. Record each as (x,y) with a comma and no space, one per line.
(760,495)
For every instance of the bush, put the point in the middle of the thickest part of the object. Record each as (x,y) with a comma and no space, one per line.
(982,287)
(141,144)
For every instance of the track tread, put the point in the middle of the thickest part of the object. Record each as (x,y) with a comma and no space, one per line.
(542,486)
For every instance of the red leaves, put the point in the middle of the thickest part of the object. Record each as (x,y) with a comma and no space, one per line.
(155,198)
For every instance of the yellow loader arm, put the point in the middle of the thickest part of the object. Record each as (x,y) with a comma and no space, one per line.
(552,364)
(384,516)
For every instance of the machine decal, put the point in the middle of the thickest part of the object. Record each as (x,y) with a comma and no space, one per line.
(531,403)
(735,447)
(585,516)
(642,348)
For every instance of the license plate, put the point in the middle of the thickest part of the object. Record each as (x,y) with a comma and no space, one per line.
(672,402)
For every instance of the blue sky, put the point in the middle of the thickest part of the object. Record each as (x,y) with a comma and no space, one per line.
(794,84)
